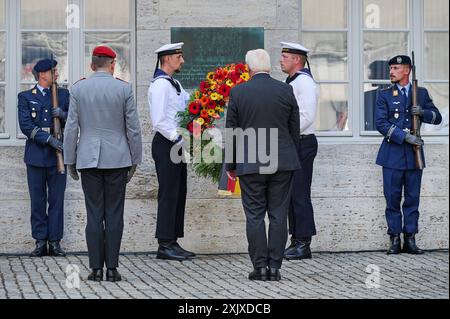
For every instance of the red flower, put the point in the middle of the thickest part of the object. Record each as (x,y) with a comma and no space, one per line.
(194,108)
(204,114)
(224,90)
(240,68)
(204,87)
(211,105)
(239,81)
(219,76)
(204,101)
(190,127)
(222,103)
(234,76)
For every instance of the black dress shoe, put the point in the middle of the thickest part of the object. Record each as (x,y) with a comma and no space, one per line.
(258,274)
(96,275)
(274,274)
(299,249)
(183,251)
(409,245)
(113,275)
(395,247)
(40,250)
(54,249)
(169,251)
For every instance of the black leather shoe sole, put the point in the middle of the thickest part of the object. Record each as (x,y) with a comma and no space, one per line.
(296,257)
(114,279)
(166,257)
(95,278)
(413,252)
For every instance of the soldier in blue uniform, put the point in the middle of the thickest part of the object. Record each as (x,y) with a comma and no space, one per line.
(45,185)
(394,117)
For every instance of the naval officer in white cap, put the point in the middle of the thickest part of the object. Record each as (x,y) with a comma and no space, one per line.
(294,58)
(166,98)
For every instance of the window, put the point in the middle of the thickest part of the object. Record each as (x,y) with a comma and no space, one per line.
(436,58)
(66,29)
(385,34)
(325,33)
(115,15)
(2,66)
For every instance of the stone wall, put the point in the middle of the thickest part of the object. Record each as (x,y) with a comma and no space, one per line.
(347,186)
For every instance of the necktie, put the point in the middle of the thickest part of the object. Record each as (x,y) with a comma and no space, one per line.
(404,96)
(46,92)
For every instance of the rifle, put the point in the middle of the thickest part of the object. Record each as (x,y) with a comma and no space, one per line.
(416,119)
(57,132)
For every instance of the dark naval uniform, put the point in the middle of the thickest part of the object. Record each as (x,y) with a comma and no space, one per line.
(396,156)
(44,183)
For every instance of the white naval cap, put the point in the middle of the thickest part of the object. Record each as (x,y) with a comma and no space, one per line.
(169,49)
(289,47)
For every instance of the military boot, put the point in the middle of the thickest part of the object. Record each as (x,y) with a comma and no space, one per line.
(40,250)
(409,245)
(395,247)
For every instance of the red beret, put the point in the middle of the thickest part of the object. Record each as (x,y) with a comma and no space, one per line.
(104,51)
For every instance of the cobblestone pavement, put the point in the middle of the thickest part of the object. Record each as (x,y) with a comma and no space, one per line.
(327,275)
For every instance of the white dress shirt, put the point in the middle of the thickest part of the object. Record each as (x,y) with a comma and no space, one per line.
(165,103)
(307,96)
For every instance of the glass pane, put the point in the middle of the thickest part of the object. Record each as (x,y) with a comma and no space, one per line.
(43,14)
(2,14)
(328,56)
(436,55)
(107,14)
(370,99)
(2,55)
(335,15)
(40,45)
(383,46)
(439,94)
(2,109)
(119,42)
(332,114)
(436,13)
(385,14)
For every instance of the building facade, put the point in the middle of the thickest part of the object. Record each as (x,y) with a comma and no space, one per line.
(350,42)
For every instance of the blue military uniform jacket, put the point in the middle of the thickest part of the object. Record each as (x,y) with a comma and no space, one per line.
(36,122)
(394,119)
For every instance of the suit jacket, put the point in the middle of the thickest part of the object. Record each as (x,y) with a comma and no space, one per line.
(36,123)
(103,111)
(264,103)
(393,117)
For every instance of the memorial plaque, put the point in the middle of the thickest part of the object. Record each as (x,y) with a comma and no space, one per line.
(208,48)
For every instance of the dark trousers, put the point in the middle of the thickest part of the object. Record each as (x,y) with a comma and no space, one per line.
(104,193)
(172,179)
(301,212)
(396,182)
(46,185)
(271,194)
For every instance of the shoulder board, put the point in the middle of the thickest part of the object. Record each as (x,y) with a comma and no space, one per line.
(79,80)
(387,89)
(121,80)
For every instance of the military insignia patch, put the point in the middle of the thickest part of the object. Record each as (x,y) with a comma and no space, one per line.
(33,114)
(34,91)
(399,60)
(396,116)
(395,93)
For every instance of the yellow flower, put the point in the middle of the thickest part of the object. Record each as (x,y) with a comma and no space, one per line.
(210,76)
(211,112)
(200,121)
(245,76)
(230,83)
(197,95)
(215,96)
(222,110)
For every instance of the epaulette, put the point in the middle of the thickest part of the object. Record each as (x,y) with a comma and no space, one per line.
(387,89)
(79,80)
(122,80)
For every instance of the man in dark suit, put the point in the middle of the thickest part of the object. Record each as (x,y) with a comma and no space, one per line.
(263,118)
(45,184)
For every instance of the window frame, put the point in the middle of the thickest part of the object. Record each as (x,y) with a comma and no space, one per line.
(76,57)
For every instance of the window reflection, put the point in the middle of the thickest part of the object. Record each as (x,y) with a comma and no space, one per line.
(41,45)
(2,56)
(2,109)
(43,14)
(119,42)
(107,14)
(332,113)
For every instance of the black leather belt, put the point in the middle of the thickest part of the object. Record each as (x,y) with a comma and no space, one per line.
(304,137)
